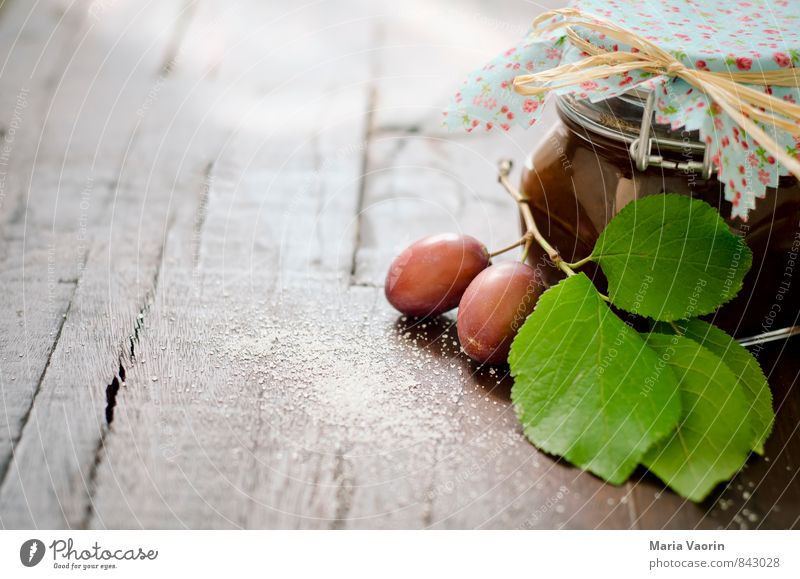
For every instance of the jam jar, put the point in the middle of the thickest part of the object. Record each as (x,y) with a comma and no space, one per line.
(600,156)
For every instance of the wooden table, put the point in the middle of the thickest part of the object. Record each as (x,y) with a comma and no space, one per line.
(199,202)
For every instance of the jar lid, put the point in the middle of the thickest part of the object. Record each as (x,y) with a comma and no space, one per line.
(724,69)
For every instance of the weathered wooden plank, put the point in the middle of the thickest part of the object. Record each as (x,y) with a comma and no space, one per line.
(198,446)
(284,201)
(34,302)
(35,41)
(230,429)
(37,270)
(50,479)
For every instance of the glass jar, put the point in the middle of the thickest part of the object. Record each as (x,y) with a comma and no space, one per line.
(589,166)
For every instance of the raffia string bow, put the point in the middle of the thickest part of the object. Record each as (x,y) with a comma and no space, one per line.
(742,103)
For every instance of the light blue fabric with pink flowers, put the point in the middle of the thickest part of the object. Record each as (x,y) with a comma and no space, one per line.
(718,35)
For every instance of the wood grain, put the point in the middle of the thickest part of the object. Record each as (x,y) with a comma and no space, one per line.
(38,273)
(195,222)
(49,481)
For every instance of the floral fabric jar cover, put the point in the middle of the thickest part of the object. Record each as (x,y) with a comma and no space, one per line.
(714,35)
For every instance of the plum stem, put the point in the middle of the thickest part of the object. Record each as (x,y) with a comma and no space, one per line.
(504,169)
(521,241)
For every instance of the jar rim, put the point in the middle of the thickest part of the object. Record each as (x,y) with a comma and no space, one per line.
(619,118)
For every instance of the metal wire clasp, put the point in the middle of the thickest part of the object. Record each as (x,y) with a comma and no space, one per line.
(644,157)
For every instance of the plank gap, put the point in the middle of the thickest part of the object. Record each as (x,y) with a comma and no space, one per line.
(5,466)
(172,54)
(369,130)
(112,390)
(201,215)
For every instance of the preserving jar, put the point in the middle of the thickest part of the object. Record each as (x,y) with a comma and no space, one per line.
(591,164)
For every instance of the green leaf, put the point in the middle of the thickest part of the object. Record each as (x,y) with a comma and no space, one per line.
(670,257)
(713,439)
(744,366)
(586,386)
